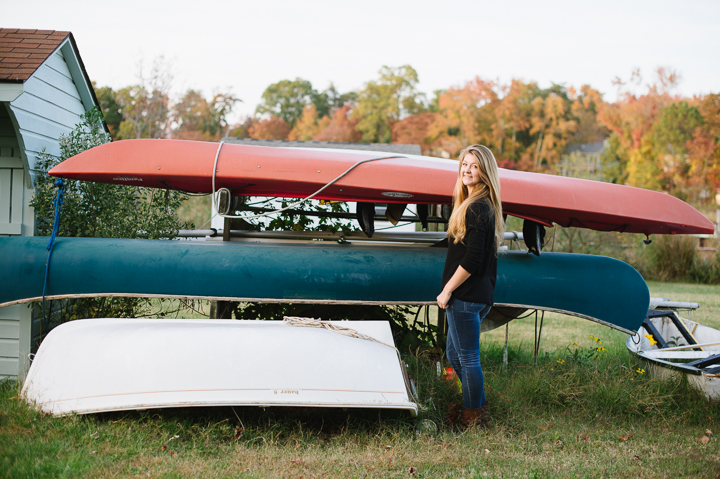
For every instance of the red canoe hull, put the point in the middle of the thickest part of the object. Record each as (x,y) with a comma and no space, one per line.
(298,172)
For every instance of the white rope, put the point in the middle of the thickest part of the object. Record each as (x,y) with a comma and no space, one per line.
(293,205)
(349,332)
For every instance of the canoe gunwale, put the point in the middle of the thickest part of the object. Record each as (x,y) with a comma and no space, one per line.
(307,301)
(404,407)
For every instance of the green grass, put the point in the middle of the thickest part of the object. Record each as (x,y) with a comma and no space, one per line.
(578,413)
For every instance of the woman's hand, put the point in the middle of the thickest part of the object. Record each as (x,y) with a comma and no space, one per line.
(443,299)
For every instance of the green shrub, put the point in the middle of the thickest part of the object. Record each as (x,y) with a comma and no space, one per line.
(673,257)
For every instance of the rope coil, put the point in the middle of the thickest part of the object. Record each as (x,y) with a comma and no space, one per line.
(351,333)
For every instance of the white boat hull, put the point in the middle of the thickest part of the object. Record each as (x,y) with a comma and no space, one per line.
(98,365)
(672,361)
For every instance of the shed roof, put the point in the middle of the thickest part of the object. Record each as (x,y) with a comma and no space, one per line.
(23,51)
(387,147)
(593,148)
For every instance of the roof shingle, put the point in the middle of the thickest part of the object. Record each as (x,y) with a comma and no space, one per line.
(23,51)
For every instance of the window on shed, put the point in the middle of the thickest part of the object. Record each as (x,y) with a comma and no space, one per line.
(11,191)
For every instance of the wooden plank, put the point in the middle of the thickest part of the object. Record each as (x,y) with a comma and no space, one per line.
(11,162)
(16,201)
(35,142)
(5,195)
(8,141)
(7,130)
(8,367)
(52,77)
(12,229)
(664,354)
(30,122)
(49,108)
(691,346)
(57,62)
(9,348)
(38,88)
(9,329)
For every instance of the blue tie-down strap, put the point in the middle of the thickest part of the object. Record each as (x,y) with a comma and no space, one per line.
(56,227)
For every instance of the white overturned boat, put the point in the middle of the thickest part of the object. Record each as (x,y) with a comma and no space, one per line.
(675,345)
(98,365)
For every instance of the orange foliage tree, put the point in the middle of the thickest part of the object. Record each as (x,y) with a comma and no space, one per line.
(273,128)
(663,141)
(306,128)
(414,130)
(338,128)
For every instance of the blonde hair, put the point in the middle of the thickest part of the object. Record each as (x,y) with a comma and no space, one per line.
(488,188)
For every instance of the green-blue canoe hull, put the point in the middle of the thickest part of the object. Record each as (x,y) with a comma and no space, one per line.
(596,287)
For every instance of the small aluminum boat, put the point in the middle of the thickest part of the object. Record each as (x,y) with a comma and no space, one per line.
(98,365)
(675,345)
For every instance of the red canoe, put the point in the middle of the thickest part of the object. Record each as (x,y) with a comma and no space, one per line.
(298,172)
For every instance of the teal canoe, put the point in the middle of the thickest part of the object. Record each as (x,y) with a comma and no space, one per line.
(597,288)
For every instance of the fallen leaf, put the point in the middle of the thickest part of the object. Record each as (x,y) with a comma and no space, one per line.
(703,439)
(238,433)
(173,453)
(545,428)
(626,437)
(412,470)
(637,458)
(298,461)
(164,448)
(708,432)
(586,437)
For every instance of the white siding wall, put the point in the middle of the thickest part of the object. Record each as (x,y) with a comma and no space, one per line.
(50,106)
(15,338)
(16,216)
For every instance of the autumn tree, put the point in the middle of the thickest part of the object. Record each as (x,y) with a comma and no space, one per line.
(273,128)
(466,115)
(195,118)
(286,99)
(415,130)
(145,106)
(630,120)
(386,100)
(330,100)
(551,123)
(340,127)
(112,113)
(241,129)
(704,148)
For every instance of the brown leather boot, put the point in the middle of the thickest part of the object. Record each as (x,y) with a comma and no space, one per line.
(476,417)
(454,414)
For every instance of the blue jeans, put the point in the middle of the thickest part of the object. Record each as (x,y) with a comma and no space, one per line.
(463,348)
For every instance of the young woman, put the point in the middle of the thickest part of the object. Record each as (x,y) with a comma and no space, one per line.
(475,230)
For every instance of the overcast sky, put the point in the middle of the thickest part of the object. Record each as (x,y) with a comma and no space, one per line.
(247,45)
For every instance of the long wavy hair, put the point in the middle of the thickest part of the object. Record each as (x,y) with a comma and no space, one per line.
(489,188)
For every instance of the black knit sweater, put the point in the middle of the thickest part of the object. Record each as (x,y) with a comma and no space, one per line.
(476,254)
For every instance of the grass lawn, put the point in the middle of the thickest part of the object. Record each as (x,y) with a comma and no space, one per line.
(579,413)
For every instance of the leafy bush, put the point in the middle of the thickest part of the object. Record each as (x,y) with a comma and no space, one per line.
(101,210)
(673,257)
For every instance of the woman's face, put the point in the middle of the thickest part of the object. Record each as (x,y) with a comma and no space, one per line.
(470,171)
